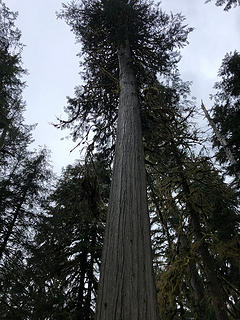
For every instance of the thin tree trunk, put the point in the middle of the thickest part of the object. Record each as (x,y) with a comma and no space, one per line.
(2,138)
(81,308)
(197,292)
(214,285)
(17,212)
(222,142)
(127,287)
(90,273)
(12,224)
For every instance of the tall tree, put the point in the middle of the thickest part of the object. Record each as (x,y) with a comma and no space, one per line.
(226,111)
(59,276)
(11,84)
(125,42)
(182,203)
(222,141)
(23,174)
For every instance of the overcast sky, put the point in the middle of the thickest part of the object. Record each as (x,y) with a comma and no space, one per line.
(50,57)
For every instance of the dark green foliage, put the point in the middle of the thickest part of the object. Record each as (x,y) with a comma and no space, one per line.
(51,249)
(227,3)
(23,176)
(20,191)
(180,184)
(56,274)
(66,256)
(230,73)
(154,38)
(182,267)
(21,172)
(11,85)
(226,110)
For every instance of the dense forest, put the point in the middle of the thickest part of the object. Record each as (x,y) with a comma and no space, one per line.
(147,226)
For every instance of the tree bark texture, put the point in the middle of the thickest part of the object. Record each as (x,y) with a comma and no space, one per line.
(127,287)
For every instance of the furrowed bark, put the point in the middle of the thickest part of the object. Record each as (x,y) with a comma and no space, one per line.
(127,287)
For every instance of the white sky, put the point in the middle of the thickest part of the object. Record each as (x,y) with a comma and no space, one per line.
(50,57)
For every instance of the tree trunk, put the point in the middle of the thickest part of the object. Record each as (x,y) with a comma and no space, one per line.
(12,224)
(90,273)
(17,211)
(197,293)
(214,285)
(2,138)
(222,142)
(80,308)
(127,287)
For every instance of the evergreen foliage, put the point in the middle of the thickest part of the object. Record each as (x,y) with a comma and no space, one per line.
(227,3)
(184,189)
(52,236)
(70,254)
(154,37)
(13,131)
(23,173)
(226,109)
(58,277)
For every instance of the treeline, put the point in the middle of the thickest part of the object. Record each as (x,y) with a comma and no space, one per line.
(52,229)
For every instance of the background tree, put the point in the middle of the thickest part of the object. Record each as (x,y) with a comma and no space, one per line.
(11,84)
(59,276)
(186,203)
(226,111)
(23,174)
(75,225)
(228,3)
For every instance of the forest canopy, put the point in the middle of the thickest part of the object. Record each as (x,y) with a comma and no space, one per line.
(150,213)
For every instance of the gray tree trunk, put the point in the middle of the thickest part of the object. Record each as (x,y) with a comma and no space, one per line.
(127,287)
(222,141)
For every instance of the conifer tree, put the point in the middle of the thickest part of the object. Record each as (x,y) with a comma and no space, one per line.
(226,111)
(12,130)
(187,203)
(57,275)
(125,45)
(23,173)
